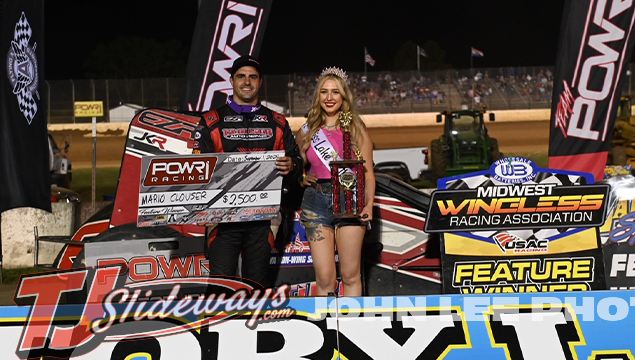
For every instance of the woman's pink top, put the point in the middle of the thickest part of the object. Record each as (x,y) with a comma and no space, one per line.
(317,167)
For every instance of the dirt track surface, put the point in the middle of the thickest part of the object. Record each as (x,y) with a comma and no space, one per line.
(524,137)
(513,137)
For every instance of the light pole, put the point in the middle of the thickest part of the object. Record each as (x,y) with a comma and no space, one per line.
(290,94)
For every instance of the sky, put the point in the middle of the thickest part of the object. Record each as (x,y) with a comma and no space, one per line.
(303,36)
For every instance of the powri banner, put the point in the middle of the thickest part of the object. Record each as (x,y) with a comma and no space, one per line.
(224,31)
(596,41)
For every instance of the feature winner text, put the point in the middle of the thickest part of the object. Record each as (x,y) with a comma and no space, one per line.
(523,275)
(518,206)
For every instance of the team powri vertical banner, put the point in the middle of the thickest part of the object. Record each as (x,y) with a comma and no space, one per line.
(595,46)
(224,31)
(24,156)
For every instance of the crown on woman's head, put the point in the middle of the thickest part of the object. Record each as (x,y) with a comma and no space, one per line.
(335,71)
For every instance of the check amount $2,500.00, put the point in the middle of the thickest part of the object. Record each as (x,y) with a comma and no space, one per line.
(252,198)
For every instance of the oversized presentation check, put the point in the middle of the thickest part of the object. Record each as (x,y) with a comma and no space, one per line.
(209,188)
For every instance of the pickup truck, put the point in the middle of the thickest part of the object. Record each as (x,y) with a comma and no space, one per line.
(407,164)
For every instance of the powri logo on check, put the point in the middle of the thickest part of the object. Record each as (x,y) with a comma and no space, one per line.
(180,171)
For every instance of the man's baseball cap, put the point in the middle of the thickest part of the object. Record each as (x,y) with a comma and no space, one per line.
(245,60)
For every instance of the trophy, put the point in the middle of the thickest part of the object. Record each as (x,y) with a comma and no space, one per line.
(347,176)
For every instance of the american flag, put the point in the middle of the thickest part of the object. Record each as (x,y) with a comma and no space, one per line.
(298,245)
(421,51)
(369,59)
(477,53)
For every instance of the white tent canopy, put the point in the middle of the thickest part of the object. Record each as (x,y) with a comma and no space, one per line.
(124,112)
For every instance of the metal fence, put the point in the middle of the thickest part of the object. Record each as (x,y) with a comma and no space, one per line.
(375,92)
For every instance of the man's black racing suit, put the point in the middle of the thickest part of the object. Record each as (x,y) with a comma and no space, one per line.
(245,129)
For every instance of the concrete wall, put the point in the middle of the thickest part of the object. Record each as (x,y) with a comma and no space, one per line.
(18,239)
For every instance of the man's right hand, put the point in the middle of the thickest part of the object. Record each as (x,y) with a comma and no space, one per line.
(284,165)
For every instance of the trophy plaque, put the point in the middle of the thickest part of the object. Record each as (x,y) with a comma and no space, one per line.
(347,176)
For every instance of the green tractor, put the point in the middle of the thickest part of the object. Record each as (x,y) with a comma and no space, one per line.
(464,146)
(623,149)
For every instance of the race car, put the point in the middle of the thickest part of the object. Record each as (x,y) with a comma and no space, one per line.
(399,257)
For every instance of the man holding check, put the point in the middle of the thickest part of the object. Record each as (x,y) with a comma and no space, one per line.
(244,125)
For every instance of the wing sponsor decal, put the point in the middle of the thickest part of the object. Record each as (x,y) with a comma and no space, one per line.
(172,124)
(519,228)
(155,140)
(526,206)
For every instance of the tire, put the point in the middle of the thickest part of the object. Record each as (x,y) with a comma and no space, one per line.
(395,175)
(396,169)
(439,161)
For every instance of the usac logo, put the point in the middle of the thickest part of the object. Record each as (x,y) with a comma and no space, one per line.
(507,241)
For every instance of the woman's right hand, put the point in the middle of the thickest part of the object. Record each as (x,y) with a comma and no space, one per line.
(308,180)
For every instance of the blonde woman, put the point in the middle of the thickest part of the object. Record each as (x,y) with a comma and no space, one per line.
(320,141)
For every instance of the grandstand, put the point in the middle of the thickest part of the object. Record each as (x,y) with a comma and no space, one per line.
(376,92)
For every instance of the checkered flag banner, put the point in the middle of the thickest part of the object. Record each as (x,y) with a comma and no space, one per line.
(25,77)
(23,31)
(24,153)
